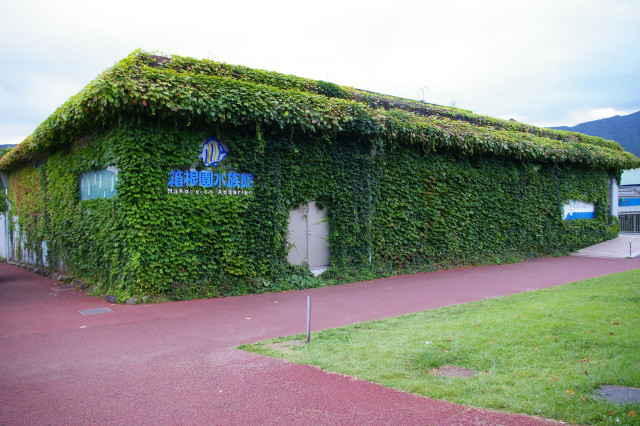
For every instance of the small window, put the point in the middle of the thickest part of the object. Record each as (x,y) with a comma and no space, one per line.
(98,184)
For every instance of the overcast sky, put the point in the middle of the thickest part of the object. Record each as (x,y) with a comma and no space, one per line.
(542,62)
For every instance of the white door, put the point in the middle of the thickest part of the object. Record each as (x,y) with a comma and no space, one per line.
(309,236)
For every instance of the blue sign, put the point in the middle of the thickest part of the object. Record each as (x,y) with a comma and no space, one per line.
(576,209)
(213,152)
(206,181)
(627,202)
(209,179)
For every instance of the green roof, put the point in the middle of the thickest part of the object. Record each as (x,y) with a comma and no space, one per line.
(188,89)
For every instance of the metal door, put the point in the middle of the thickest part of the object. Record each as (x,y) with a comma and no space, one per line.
(309,236)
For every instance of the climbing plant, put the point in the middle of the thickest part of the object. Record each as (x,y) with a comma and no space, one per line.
(3,198)
(443,210)
(407,188)
(144,85)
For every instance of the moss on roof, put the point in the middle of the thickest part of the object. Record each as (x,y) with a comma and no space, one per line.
(180,88)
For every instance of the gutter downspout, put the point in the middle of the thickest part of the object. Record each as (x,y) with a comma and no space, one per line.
(613,199)
(6,226)
(5,182)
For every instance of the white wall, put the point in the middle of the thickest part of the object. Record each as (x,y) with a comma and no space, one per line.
(4,237)
(613,197)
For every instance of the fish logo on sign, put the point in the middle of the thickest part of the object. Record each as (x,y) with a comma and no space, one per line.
(213,151)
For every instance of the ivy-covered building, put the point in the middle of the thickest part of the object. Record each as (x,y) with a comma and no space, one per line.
(190,177)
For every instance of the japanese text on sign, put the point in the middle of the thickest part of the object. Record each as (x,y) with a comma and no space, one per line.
(209,179)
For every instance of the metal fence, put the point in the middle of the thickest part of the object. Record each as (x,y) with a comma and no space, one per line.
(629,222)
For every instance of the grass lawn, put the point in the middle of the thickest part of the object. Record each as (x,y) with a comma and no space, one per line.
(541,353)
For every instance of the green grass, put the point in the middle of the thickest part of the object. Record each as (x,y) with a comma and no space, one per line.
(541,353)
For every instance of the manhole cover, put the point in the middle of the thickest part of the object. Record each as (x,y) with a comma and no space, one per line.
(95,311)
(619,394)
(62,287)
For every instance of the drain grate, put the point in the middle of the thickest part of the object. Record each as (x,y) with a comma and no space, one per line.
(619,394)
(95,311)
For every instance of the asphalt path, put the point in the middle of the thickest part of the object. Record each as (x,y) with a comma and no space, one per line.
(176,363)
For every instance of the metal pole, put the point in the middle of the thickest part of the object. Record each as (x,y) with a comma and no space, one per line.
(6,223)
(630,241)
(308,318)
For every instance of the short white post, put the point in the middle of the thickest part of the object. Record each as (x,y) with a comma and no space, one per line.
(308,318)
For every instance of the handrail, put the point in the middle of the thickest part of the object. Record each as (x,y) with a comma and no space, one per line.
(630,245)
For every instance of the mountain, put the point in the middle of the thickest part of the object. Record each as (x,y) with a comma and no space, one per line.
(5,148)
(623,129)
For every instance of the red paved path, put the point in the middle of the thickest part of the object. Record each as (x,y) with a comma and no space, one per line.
(175,363)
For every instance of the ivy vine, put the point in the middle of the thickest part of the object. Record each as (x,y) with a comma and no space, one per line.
(408,187)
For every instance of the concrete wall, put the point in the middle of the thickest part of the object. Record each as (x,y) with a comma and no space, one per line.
(4,236)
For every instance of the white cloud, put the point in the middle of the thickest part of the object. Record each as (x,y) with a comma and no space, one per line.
(578,116)
(582,116)
(13,134)
(23,108)
(535,61)
(515,117)
(45,94)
